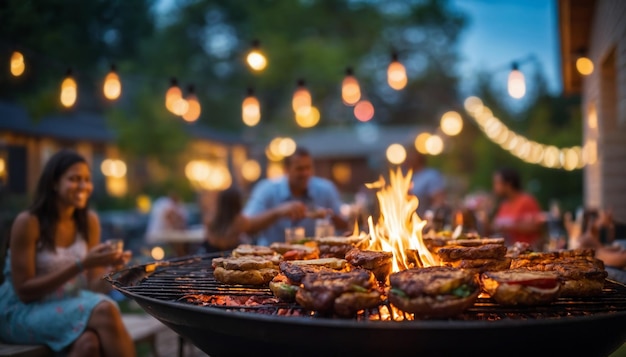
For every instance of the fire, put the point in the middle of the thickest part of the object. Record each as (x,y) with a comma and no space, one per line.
(399,228)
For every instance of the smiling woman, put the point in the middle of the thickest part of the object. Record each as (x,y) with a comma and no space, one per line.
(53,269)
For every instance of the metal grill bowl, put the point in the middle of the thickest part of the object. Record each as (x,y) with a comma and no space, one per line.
(569,327)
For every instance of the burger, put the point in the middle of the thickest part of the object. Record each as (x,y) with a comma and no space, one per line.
(433,292)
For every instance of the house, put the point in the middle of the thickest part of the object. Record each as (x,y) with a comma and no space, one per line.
(596,29)
(26,144)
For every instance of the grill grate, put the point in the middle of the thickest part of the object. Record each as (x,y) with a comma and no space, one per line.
(190,281)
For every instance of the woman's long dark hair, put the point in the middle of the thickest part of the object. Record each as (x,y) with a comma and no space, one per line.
(44,205)
(229,206)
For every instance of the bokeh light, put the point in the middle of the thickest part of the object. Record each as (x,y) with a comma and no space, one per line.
(516,84)
(451,123)
(396,154)
(584,66)
(364,110)
(251,170)
(420,143)
(17,64)
(434,145)
(307,117)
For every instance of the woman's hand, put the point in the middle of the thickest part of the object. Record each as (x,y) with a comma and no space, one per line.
(103,255)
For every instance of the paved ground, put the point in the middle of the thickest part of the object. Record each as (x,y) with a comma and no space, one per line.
(167,346)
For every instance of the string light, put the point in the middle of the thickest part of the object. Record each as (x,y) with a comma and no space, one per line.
(255,58)
(251,170)
(396,73)
(364,110)
(172,96)
(434,145)
(569,158)
(584,66)
(420,143)
(69,91)
(193,106)
(301,101)
(250,109)
(17,64)
(451,123)
(112,87)
(350,89)
(307,117)
(516,84)
(396,154)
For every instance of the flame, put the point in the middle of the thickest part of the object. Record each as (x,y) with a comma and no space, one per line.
(399,228)
(356,232)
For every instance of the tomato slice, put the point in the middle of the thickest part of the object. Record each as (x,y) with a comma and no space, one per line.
(543,283)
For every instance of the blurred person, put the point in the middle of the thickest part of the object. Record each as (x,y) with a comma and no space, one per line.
(227,227)
(306,196)
(428,184)
(518,216)
(53,293)
(598,222)
(167,214)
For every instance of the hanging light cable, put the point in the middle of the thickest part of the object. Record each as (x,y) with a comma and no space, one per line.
(69,90)
(396,73)
(112,87)
(350,89)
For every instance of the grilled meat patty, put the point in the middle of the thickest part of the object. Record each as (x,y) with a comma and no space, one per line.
(249,249)
(580,273)
(481,265)
(246,262)
(433,292)
(521,286)
(286,284)
(379,263)
(342,293)
(245,277)
(337,247)
(296,251)
(485,251)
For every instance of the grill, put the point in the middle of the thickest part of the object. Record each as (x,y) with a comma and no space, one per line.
(183,294)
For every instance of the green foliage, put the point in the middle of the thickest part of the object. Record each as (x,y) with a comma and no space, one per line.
(145,130)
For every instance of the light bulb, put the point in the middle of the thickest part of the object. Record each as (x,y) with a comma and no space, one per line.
(69,91)
(434,145)
(364,110)
(396,74)
(516,84)
(251,109)
(584,66)
(307,117)
(17,64)
(255,58)
(451,123)
(396,154)
(301,98)
(112,87)
(172,96)
(350,89)
(193,106)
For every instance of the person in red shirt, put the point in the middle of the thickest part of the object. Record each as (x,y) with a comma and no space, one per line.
(519,217)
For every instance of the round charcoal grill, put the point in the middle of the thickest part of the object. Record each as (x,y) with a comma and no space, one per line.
(184,295)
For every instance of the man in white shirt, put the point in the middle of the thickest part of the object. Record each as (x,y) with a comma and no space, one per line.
(167,214)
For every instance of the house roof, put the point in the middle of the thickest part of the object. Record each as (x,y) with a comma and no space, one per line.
(86,126)
(575,18)
(357,141)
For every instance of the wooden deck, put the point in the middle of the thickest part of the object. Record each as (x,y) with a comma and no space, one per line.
(167,346)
